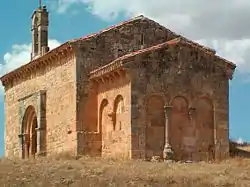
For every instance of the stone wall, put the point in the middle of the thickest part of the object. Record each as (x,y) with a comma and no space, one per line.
(114,118)
(57,82)
(110,133)
(106,47)
(184,78)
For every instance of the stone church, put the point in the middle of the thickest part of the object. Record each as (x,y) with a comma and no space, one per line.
(135,90)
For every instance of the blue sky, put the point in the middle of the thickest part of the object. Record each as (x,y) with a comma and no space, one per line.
(15,30)
(75,18)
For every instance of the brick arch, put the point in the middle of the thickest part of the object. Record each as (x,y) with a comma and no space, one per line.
(118,111)
(159,95)
(143,102)
(155,125)
(179,127)
(205,98)
(204,123)
(29,125)
(185,98)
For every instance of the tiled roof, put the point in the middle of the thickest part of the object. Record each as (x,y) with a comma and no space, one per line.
(57,50)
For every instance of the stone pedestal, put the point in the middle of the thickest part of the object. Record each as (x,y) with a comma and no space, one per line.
(168,153)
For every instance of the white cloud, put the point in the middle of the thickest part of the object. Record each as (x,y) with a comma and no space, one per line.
(240,141)
(222,25)
(195,18)
(64,5)
(234,50)
(18,56)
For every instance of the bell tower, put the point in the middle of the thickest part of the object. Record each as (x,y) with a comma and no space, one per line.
(40,23)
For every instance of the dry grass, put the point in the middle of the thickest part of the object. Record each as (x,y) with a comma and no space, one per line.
(67,171)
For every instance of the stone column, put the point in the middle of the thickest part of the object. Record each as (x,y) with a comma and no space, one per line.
(22,145)
(40,141)
(191,113)
(26,143)
(41,124)
(167,151)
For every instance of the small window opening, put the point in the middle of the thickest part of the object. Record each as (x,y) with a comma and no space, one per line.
(142,39)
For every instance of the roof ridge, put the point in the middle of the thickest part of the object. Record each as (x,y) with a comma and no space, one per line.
(183,37)
(205,50)
(119,62)
(140,17)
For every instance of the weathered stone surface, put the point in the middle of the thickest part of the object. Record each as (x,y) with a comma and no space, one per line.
(59,83)
(106,94)
(193,135)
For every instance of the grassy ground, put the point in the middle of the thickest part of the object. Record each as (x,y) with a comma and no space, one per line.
(102,172)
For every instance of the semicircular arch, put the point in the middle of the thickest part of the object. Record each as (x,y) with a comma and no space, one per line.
(29,114)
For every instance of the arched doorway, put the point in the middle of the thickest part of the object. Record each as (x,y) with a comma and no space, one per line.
(29,126)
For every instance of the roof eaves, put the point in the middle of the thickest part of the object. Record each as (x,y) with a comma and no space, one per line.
(55,50)
(35,61)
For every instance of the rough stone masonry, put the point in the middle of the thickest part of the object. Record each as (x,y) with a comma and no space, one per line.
(135,90)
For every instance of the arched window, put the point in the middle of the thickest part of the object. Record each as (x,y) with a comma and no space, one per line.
(118,112)
(102,116)
(35,34)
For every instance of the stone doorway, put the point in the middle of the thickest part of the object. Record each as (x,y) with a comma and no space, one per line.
(29,146)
